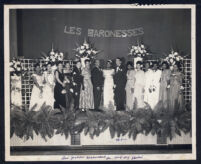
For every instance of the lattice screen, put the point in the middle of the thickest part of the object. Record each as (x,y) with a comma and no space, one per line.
(27,82)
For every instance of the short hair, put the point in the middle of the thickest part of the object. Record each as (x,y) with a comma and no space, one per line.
(87,60)
(178,64)
(119,59)
(129,63)
(36,65)
(155,62)
(49,63)
(59,62)
(166,63)
(147,62)
(139,62)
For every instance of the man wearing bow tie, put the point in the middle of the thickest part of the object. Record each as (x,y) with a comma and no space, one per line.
(97,81)
(77,82)
(119,85)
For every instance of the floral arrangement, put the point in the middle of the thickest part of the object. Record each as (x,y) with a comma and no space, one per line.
(86,50)
(16,67)
(138,51)
(53,56)
(47,122)
(173,57)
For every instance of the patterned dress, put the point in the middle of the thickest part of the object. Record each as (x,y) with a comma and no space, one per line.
(163,93)
(176,100)
(86,93)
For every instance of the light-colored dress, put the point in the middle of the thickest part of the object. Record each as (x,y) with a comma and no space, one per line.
(176,100)
(108,91)
(148,82)
(139,88)
(156,76)
(16,93)
(86,95)
(163,92)
(36,95)
(129,86)
(48,90)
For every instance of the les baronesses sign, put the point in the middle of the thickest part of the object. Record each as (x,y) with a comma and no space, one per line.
(105,33)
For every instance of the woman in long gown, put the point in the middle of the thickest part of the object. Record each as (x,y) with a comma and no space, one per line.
(108,89)
(68,78)
(86,93)
(165,81)
(139,85)
(148,83)
(37,97)
(130,86)
(176,100)
(48,92)
(59,89)
(155,87)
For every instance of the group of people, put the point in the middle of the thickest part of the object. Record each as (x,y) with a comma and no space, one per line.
(119,88)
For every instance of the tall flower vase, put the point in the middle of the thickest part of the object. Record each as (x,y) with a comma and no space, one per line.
(136,59)
(16,93)
(83,61)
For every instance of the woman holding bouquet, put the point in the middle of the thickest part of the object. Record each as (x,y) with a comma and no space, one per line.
(49,86)
(139,85)
(86,94)
(130,86)
(176,100)
(165,81)
(59,89)
(37,96)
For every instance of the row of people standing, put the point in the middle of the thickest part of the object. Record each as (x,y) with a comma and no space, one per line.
(119,88)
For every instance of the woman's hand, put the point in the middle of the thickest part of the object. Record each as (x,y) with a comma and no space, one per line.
(63,85)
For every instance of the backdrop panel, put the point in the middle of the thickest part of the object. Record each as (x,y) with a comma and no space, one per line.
(160,29)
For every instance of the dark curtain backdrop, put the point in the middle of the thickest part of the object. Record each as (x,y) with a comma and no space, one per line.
(163,28)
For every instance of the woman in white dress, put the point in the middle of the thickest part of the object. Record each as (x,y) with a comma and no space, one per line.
(48,91)
(108,91)
(139,85)
(155,88)
(148,83)
(130,86)
(37,90)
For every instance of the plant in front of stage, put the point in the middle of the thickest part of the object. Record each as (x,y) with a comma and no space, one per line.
(48,122)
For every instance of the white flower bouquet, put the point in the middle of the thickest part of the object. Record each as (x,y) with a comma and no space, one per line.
(173,57)
(53,56)
(138,51)
(16,67)
(86,50)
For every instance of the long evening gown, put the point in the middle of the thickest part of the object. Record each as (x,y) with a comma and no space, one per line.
(148,82)
(129,86)
(49,88)
(16,93)
(58,96)
(139,88)
(176,100)
(86,93)
(163,93)
(37,97)
(108,89)
(156,76)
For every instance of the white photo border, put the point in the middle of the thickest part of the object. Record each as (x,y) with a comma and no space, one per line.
(147,157)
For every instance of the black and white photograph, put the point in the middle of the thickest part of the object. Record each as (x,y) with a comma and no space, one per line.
(99,82)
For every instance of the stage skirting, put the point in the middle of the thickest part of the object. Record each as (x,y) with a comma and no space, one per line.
(102,139)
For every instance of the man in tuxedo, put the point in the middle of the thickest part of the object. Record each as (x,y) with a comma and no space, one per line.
(77,82)
(97,81)
(119,85)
